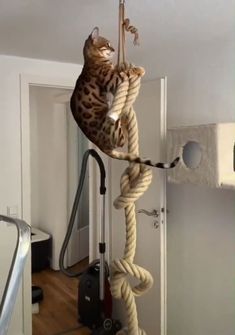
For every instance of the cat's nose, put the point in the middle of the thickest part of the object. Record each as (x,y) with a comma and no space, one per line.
(112,49)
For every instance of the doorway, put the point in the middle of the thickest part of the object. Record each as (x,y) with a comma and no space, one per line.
(56,149)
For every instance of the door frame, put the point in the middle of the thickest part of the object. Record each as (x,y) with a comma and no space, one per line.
(26,81)
(163,212)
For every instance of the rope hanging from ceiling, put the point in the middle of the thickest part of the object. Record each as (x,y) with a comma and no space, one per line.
(134,182)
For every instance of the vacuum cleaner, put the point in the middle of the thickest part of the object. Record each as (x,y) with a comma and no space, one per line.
(94,296)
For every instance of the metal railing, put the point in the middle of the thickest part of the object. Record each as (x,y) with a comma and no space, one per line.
(16,270)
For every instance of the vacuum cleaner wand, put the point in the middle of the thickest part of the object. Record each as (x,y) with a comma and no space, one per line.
(102,249)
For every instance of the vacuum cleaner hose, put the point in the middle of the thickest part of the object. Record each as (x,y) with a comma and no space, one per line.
(94,154)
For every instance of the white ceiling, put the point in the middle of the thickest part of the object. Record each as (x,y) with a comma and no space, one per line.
(56,29)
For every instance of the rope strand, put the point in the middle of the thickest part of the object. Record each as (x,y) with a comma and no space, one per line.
(124,25)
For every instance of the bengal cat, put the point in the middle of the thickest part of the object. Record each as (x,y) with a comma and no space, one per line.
(90,103)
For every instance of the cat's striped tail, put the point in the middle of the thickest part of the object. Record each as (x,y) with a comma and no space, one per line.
(135,159)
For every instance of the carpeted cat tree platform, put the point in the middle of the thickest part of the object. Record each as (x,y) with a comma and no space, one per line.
(207,154)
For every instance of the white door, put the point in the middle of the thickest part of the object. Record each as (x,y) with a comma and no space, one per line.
(150,108)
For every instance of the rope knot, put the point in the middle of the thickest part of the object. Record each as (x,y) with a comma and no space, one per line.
(133,189)
(121,288)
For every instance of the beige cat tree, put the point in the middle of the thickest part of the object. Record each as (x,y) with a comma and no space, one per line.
(215,166)
(134,182)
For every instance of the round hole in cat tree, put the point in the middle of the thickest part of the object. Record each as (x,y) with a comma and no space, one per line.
(192,154)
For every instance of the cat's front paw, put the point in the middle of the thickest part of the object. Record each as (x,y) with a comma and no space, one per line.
(136,71)
(140,71)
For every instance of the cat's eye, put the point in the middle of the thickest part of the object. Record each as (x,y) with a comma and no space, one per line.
(108,45)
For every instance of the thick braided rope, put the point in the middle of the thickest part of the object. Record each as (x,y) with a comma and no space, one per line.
(134,182)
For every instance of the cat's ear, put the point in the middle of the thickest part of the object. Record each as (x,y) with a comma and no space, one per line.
(95,34)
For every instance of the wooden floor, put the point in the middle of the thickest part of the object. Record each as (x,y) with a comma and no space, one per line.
(58,310)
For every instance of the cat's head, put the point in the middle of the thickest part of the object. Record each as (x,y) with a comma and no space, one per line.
(97,47)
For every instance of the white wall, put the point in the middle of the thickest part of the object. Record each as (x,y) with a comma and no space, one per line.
(10,148)
(201,228)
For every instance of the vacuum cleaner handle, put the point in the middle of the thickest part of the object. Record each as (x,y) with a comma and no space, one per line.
(15,272)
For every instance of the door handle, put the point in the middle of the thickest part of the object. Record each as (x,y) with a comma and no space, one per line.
(155,212)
